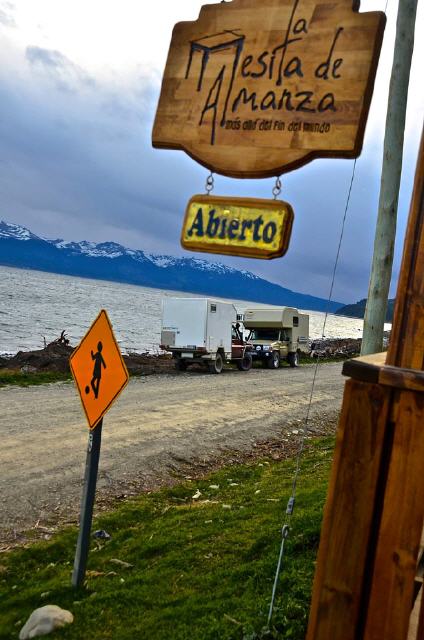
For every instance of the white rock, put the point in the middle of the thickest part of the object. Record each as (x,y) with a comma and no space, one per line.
(45,620)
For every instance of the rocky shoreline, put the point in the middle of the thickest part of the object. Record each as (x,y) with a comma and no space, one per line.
(54,357)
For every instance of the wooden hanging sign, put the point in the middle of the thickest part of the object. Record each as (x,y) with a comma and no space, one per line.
(256,88)
(248,227)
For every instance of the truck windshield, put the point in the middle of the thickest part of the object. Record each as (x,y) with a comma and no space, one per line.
(265,334)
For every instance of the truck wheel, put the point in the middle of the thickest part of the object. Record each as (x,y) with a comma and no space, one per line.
(245,364)
(217,365)
(293,359)
(181,365)
(274,360)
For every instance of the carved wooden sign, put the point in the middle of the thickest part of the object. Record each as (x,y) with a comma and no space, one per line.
(255,88)
(248,227)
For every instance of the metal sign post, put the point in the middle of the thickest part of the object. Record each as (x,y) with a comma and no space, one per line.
(100,375)
(87,504)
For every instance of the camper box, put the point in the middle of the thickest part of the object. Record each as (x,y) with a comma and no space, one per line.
(280,318)
(197,324)
(203,331)
(277,334)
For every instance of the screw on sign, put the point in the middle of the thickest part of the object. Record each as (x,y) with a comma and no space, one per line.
(100,375)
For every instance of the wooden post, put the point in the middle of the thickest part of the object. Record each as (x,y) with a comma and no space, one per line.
(385,233)
(374,515)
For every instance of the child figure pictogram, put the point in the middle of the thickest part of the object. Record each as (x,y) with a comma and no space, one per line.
(97,371)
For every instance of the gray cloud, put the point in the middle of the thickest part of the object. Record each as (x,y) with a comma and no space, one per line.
(76,162)
(67,75)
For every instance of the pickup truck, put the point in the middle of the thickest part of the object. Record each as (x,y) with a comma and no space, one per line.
(203,331)
(277,334)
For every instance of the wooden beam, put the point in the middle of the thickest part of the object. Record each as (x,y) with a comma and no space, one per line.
(420,633)
(398,536)
(402,498)
(372,368)
(407,340)
(342,559)
(364,582)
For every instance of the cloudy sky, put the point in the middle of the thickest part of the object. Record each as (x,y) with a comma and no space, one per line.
(79,83)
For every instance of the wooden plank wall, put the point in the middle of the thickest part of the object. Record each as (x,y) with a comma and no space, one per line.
(364,582)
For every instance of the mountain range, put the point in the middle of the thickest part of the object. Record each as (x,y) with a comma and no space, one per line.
(21,248)
(357,310)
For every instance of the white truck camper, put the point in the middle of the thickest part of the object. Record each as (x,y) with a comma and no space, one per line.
(203,331)
(277,334)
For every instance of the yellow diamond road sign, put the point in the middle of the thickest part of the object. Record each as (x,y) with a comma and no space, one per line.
(98,369)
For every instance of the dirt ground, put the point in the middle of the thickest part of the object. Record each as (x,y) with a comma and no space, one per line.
(161,429)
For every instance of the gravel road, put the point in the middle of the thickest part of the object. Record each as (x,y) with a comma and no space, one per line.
(159,423)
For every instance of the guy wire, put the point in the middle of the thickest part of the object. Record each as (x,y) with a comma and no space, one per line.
(291,502)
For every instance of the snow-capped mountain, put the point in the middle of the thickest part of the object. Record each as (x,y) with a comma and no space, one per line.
(19,247)
(9,230)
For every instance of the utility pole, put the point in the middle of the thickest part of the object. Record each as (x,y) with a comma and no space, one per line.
(381,270)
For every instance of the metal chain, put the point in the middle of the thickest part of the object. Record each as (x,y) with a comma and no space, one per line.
(210,183)
(291,502)
(276,189)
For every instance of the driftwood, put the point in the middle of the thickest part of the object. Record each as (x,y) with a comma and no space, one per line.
(339,347)
(55,357)
(62,339)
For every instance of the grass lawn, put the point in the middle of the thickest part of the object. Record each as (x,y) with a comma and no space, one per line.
(13,377)
(203,568)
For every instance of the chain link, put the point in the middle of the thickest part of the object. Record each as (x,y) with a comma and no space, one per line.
(210,183)
(276,190)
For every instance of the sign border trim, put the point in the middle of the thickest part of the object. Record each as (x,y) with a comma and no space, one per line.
(102,311)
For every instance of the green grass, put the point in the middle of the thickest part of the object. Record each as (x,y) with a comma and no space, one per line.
(201,571)
(13,377)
